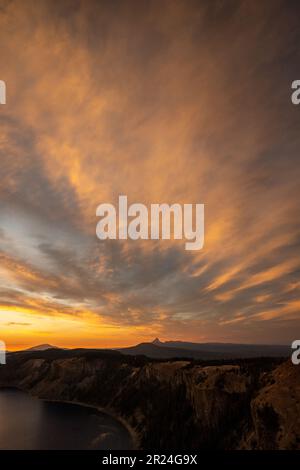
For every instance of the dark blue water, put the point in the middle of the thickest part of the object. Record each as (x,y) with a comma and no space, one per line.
(29,423)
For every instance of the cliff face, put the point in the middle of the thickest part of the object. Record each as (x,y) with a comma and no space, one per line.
(275,410)
(174,404)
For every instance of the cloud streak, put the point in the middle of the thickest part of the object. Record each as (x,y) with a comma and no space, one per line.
(165,102)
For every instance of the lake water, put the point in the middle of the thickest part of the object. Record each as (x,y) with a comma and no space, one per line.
(30,423)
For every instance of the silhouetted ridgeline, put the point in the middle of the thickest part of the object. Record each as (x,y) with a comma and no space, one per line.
(188,404)
(207,351)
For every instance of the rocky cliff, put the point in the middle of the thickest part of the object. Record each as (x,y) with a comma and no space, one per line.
(172,404)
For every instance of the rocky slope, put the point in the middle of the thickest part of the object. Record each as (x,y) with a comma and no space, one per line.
(172,404)
(275,410)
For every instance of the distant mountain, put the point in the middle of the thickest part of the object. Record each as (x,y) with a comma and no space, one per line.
(157,342)
(182,349)
(163,352)
(41,347)
(236,349)
(187,350)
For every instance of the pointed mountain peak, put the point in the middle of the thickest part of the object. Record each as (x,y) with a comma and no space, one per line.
(42,347)
(157,342)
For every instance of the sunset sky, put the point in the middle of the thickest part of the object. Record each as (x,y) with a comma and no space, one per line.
(163,101)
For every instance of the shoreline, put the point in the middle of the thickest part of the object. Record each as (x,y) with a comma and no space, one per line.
(132,433)
(109,412)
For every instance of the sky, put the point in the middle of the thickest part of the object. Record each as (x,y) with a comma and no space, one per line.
(165,102)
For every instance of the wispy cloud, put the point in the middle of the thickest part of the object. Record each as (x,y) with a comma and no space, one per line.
(165,102)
